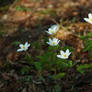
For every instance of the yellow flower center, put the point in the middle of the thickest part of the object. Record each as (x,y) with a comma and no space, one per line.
(23,47)
(64,55)
(54,43)
(91,19)
(52,31)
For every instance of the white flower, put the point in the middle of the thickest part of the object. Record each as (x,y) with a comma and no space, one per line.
(89,19)
(64,55)
(53,42)
(23,47)
(53,29)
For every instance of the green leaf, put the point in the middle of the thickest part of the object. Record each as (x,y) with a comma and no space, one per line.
(82,68)
(1,33)
(25,69)
(19,8)
(87,36)
(62,65)
(29,59)
(71,64)
(60,75)
(74,19)
(27,9)
(38,66)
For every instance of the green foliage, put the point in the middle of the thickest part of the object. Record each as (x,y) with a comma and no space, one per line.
(88,47)
(68,47)
(73,19)
(64,64)
(84,68)
(27,80)
(25,69)
(38,66)
(37,45)
(29,59)
(47,60)
(20,8)
(15,43)
(1,33)
(88,43)
(71,64)
(60,75)
(87,36)
(57,88)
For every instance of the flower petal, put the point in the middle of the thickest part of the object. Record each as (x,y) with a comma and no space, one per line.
(87,20)
(26,48)
(21,45)
(50,40)
(19,50)
(67,51)
(47,31)
(58,41)
(90,15)
(26,44)
(59,56)
(62,52)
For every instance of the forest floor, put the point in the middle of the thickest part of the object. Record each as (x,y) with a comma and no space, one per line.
(26,21)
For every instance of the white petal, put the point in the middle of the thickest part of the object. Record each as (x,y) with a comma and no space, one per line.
(19,50)
(55,39)
(87,20)
(67,51)
(47,32)
(50,40)
(50,29)
(59,56)
(26,48)
(26,44)
(53,26)
(48,43)
(90,15)
(62,52)
(21,45)
(58,41)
